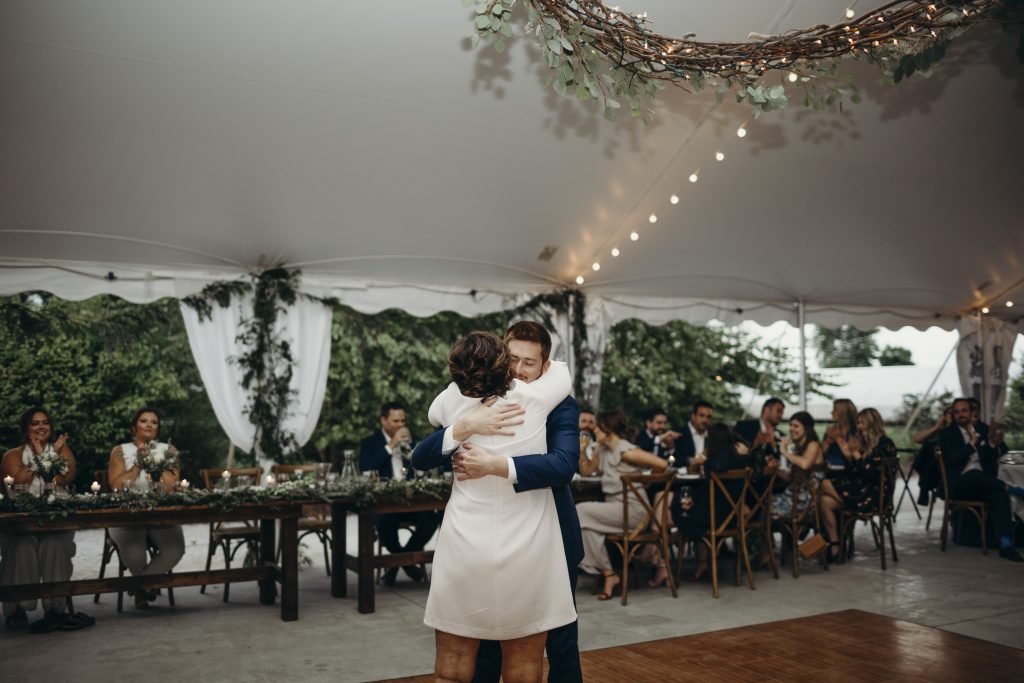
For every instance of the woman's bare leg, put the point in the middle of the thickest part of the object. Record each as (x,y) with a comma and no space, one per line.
(455,661)
(522,659)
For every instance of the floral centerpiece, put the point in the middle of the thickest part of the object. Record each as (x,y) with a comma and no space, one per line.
(48,464)
(158,458)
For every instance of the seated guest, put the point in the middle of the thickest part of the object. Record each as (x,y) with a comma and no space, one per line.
(841,436)
(995,439)
(387,453)
(615,456)
(31,558)
(802,450)
(762,434)
(588,422)
(125,470)
(928,477)
(723,454)
(690,441)
(655,437)
(971,466)
(857,491)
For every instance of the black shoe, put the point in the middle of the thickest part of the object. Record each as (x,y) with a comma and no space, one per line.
(50,623)
(389,576)
(17,621)
(1010,554)
(922,498)
(414,572)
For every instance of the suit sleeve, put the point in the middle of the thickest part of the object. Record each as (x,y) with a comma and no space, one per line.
(955,451)
(428,453)
(559,464)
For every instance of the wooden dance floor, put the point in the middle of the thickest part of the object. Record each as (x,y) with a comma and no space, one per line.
(840,646)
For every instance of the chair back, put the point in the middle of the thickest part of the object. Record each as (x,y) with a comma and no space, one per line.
(656,516)
(762,502)
(733,521)
(887,486)
(211,475)
(942,472)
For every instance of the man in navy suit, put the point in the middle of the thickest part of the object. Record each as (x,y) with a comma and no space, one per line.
(529,346)
(690,441)
(386,452)
(764,431)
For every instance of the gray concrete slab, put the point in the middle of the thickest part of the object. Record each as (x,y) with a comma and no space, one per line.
(203,639)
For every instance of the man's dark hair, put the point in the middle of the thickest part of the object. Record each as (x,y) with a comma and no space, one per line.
(587,409)
(770,402)
(385,410)
(653,413)
(962,399)
(529,331)
(480,365)
(701,404)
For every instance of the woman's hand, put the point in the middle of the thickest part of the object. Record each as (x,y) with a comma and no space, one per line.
(741,448)
(486,420)
(59,444)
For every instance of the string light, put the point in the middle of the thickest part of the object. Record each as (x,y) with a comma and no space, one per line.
(693,177)
(719,156)
(792,77)
(985,310)
(741,132)
(579,279)
(652,218)
(674,199)
(849,13)
(596,266)
(1009,304)
(615,252)
(634,235)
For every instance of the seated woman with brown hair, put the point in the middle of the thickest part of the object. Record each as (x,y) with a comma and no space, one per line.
(858,490)
(802,450)
(31,558)
(125,470)
(615,456)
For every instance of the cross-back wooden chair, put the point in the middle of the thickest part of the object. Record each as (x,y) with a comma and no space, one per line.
(794,525)
(652,528)
(223,534)
(879,517)
(759,516)
(316,519)
(976,507)
(733,525)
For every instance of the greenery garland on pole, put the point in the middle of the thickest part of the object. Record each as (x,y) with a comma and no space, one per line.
(571,303)
(266,362)
(610,55)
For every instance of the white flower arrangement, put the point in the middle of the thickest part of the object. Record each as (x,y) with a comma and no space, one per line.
(162,457)
(48,464)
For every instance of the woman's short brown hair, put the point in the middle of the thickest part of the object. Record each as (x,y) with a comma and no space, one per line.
(612,422)
(480,366)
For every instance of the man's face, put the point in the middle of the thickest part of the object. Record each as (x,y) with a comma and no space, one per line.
(701,419)
(773,414)
(527,364)
(394,421)
(658,424)
(962,413)
(587,422)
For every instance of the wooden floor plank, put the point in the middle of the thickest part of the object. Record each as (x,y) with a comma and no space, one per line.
(850,646)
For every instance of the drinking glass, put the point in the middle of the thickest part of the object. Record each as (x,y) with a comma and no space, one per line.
(685,500)
(244,481)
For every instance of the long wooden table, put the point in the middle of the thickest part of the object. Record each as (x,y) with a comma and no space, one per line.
(268,574)
(367,559)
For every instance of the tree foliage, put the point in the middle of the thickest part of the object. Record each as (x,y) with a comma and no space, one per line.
(895,355)
(845,346)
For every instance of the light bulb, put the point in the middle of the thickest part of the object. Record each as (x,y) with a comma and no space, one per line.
(615,252)
(718,378)
(579,279)
(792,77)
(849,13)
(985,309)
(1009,304)
(652,218)
(634,235)
(741,132)
(674,199)
(719,156)
(693,177)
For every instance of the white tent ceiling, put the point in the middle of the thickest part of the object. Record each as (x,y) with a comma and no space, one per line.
(367,143)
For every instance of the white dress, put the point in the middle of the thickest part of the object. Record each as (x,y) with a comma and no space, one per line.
(499,565)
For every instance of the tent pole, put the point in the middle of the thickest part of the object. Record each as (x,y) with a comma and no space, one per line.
(803,354)
(928,391)
(984,369)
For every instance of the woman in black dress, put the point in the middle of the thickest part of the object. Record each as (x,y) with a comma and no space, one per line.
(858,490)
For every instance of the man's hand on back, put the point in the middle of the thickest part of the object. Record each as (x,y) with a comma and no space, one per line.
(476,462)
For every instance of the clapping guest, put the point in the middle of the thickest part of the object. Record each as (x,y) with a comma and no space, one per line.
(125,470)
(858,490)
(588,423)
(842,436)
(615,456)
(928,477)
(691,440)
(656,437)
(30,558)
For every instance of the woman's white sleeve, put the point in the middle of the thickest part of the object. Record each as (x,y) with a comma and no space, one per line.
(437,414)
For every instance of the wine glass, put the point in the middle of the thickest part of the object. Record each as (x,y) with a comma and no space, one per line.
(685,500)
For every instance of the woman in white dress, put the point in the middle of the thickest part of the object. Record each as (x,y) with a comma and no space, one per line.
(499,565)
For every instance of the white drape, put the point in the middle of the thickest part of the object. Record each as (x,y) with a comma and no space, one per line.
(307,327)
(983,359)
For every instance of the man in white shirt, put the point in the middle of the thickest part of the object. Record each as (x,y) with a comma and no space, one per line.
(387,453)
(690,442)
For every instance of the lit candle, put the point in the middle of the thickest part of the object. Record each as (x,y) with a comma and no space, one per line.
(8,481)
(270,480)
(225,474)
(671,460)
(184,484)
(95,488)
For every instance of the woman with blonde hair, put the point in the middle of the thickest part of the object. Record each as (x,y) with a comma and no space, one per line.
(859,489)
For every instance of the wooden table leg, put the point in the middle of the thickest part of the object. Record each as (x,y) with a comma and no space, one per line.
(289,569)
(366,562)
(268,586)
(339,543)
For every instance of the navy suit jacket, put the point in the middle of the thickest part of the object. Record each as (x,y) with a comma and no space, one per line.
(956,451)
(373,455)
(685,448)
(553,470)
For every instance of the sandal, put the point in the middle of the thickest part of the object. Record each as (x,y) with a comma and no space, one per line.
(700,573)
(660,578)
(77,621)
(616,589)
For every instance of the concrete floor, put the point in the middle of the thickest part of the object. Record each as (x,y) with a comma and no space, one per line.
(202,639)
